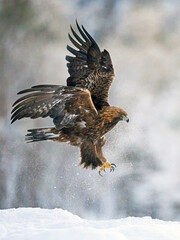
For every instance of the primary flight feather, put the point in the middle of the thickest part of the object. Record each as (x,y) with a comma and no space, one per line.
(80,111)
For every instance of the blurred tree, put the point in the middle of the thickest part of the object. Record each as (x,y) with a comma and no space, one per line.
(13,15)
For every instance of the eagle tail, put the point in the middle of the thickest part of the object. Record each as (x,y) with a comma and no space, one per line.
(41,134)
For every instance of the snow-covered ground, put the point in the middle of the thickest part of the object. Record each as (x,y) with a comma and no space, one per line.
(43,224)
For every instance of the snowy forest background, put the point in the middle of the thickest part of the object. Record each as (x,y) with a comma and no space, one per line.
(143,38)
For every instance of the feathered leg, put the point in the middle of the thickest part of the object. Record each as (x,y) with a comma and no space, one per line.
(89,155)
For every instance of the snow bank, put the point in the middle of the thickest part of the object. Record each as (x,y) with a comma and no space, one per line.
(43,224)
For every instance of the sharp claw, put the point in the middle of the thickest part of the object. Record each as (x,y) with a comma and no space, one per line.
(112,167)
(112,164)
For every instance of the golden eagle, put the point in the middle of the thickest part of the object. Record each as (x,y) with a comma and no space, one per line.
(80,111)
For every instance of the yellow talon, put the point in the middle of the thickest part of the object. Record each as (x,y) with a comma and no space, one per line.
(106,165)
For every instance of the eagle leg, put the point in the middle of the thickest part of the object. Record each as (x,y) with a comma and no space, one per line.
(107,165)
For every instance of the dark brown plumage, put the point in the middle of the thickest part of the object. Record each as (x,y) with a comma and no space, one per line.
(90,68)
(80,111)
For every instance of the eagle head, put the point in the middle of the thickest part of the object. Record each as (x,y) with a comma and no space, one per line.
(121,114)
(124,116)
(113,114)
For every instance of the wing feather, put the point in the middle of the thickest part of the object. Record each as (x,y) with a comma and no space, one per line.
(84,44)
(66,105)
(90,68)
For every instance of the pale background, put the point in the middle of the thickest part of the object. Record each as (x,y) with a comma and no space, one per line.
(143,38)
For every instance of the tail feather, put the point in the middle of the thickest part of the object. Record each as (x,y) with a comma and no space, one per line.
(41,134)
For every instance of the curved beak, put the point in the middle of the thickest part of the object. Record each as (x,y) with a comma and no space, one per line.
(125,118)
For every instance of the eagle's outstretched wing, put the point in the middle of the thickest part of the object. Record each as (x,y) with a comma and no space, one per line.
(90,68)
(66,105)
